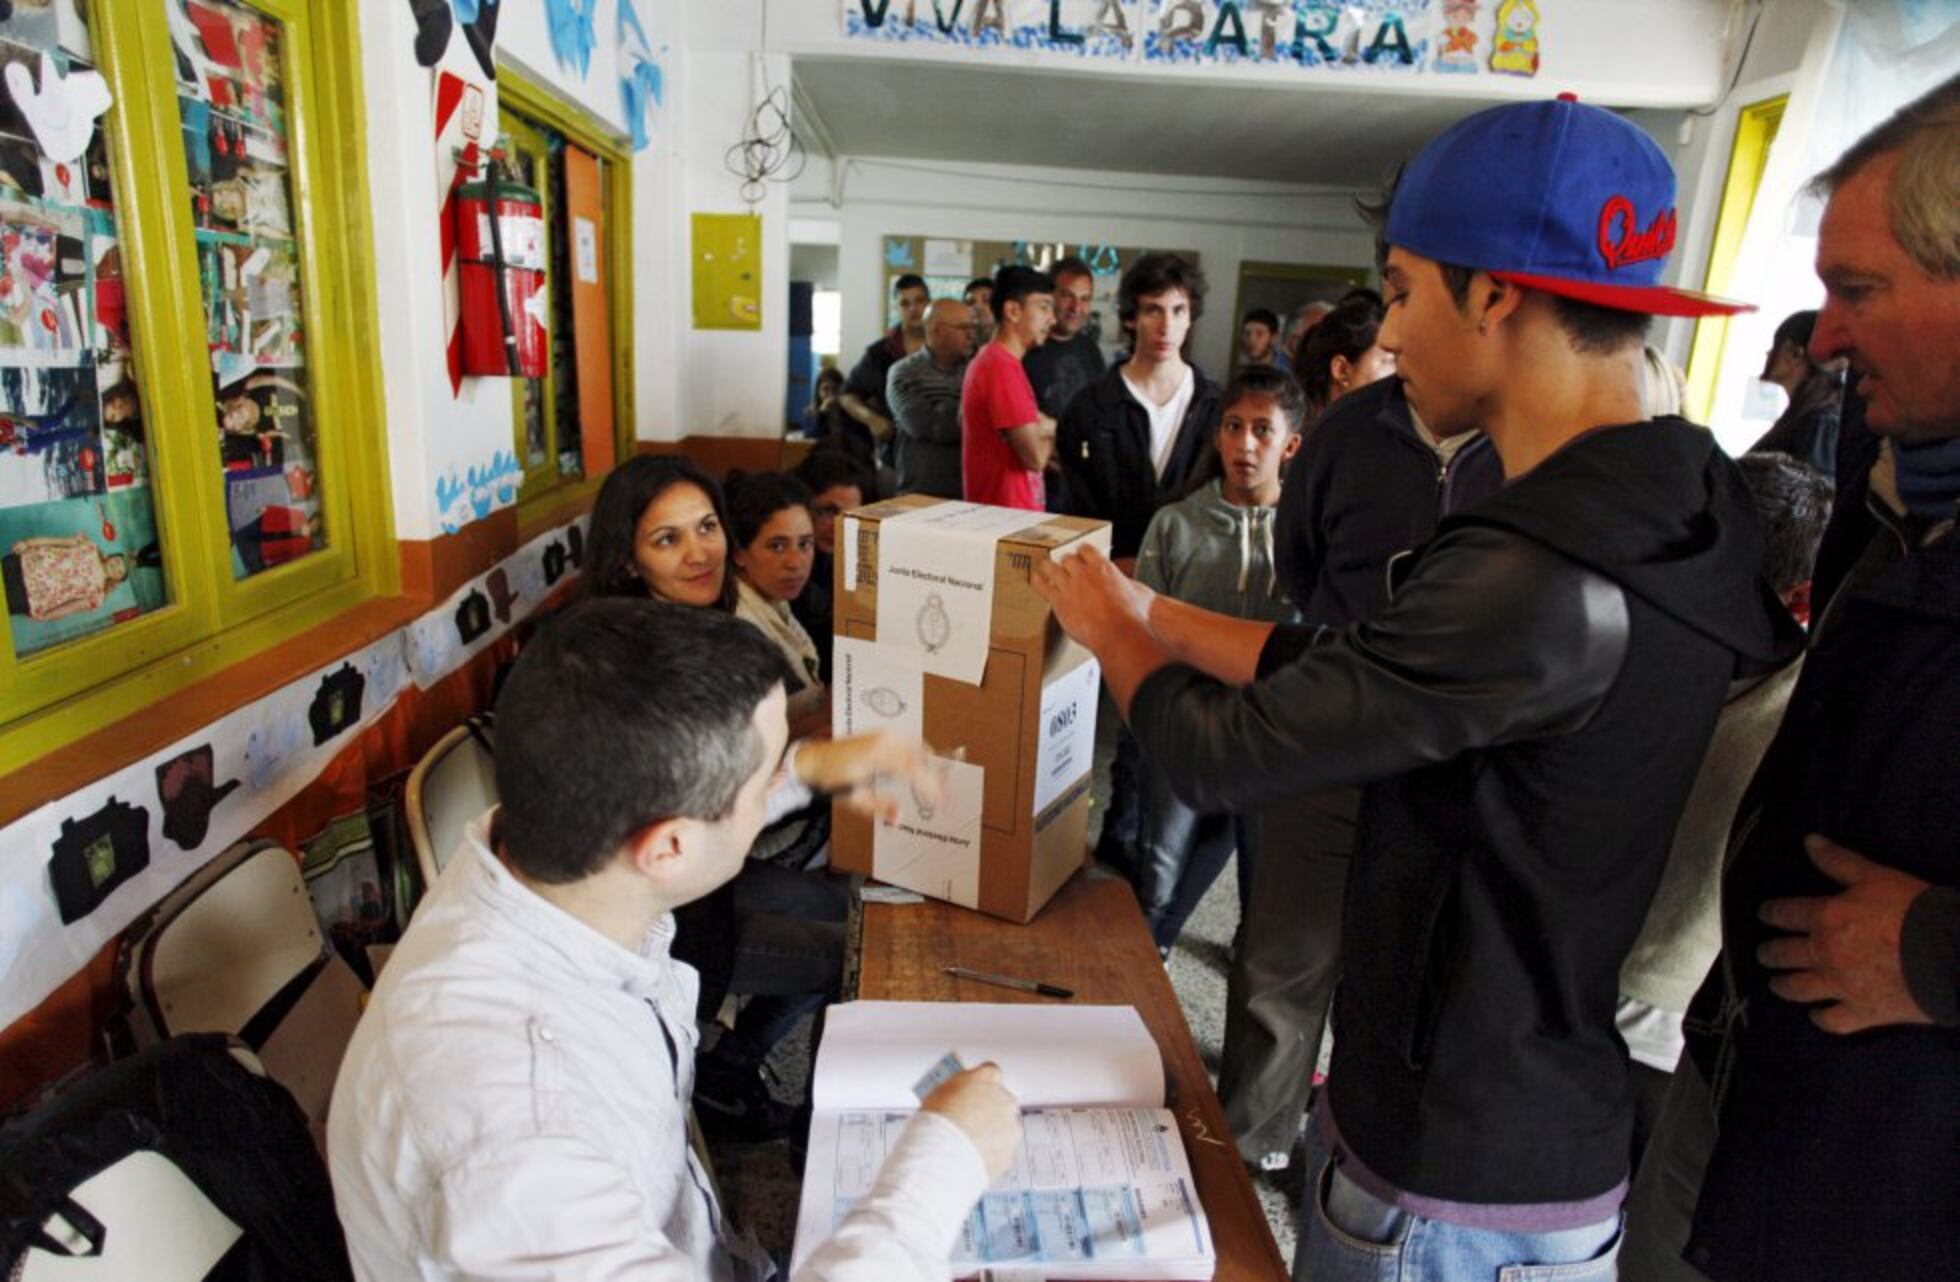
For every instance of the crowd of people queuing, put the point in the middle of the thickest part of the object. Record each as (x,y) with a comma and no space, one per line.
(1592,791)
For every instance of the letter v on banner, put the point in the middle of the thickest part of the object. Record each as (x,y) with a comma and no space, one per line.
(874,12)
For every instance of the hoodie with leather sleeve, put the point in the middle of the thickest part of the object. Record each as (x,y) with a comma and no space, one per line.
(1102,445)
(1527,715)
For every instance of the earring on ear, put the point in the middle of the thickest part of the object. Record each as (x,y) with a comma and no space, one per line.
(1483,325)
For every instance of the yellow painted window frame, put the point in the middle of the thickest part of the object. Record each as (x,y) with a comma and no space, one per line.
(212,622)
(1756,127)
(533,98)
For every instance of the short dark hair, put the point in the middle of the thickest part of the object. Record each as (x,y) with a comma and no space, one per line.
(978,282)
(1264,380)
(1590,328)
(1071,266)
(1793,504)
(910,280)
(822,469)
(610,570)
(1262,316)
(1796,328)
(1013,283)
(754,497)
(1349,331)
(619,714)
(1155,273)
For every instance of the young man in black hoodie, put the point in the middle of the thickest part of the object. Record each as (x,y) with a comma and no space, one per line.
(1526,715)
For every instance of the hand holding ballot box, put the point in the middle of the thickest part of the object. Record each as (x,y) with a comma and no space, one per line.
(941,635)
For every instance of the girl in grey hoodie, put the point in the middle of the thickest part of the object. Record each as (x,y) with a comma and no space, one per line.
(1214,548)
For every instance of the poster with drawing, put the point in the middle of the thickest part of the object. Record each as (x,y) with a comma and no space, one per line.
(78,537)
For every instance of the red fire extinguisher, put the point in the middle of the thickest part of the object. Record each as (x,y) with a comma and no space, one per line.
(501,277)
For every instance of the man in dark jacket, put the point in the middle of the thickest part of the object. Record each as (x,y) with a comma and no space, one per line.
(1527,714)
(1831,1023)
(1127,444)
(1371,486)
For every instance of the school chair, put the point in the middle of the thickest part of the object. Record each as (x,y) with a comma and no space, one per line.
(449,789)
(238,949)
(178,1164)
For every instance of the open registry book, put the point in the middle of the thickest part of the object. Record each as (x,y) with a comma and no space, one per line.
(1101,1186)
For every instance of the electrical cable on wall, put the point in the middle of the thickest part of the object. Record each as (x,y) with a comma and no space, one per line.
(768,151)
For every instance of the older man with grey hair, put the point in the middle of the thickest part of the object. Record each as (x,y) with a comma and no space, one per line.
(1828,1145)
(923,390)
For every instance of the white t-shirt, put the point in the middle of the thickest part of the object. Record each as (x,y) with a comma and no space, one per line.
(1165,419)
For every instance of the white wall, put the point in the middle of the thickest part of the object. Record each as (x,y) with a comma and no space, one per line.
(1225,223)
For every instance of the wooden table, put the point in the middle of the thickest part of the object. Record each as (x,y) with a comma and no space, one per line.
(1090,938)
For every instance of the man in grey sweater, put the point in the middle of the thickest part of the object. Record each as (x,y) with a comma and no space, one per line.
(923,390)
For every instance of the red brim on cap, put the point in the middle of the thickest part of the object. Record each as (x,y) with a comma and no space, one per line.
(1651,300)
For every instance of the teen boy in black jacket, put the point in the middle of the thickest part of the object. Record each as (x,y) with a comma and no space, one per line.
(1527,714)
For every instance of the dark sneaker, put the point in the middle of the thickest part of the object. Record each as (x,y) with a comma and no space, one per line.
(733,1102)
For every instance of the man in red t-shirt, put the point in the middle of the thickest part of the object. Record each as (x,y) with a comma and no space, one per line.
(1006,439)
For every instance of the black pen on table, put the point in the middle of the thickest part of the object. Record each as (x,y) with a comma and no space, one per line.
(1009,981)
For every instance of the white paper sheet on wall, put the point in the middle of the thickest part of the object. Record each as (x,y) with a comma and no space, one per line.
(585,240)
(1068,733)
(872,691)
(934,848)
(936,584)
(949,257)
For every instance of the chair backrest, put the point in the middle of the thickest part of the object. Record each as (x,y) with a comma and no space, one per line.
(151,1225)
(238,949)
(453,784)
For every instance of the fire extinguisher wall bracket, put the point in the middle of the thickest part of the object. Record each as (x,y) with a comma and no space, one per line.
(500,242)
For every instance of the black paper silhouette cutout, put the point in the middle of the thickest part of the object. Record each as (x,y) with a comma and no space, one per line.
(95,854)
(432,26)
(186,792)
(554,562)
(473,616)
(501,593)
(337,705)
(575,545)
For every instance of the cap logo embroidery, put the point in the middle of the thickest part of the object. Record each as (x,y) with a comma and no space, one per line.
(1622,243)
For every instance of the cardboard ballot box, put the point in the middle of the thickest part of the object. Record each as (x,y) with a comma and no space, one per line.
(941,634)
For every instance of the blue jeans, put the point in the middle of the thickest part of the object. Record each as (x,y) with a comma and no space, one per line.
(1348,1235)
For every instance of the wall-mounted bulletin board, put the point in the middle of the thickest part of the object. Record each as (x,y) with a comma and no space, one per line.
(947,265)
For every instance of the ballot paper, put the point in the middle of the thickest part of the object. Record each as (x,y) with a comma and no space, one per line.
(933,846)
(936,584)
(1100,1186)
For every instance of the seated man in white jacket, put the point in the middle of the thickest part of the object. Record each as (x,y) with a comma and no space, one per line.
(514,1102)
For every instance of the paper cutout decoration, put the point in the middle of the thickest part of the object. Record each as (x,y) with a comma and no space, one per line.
(641,87)
(337,705)
(575,545)
(433,24)
(480,30)
(501,593)
(1514,49)
(571,32)
(63,110)
(185,790)
(95,854)
(472,617)
(554,562)
(1456,50)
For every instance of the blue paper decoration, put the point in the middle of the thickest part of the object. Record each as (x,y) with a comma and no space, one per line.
(466,10)
(640,82)
(571,32)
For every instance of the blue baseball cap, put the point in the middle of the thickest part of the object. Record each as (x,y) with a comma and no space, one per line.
(1557,196)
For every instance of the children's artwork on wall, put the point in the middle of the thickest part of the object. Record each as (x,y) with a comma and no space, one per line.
(1075,28)
(1387,35)
(433,25)
(119,859)
(337,704)
(1456,46)
(472,617)
(575,545)
(62,109)
(188,795)
(554,562)
(727,252)
(95,854)
(502,595)
(1514,49)
(641,84)
(477,490)
(572,36)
